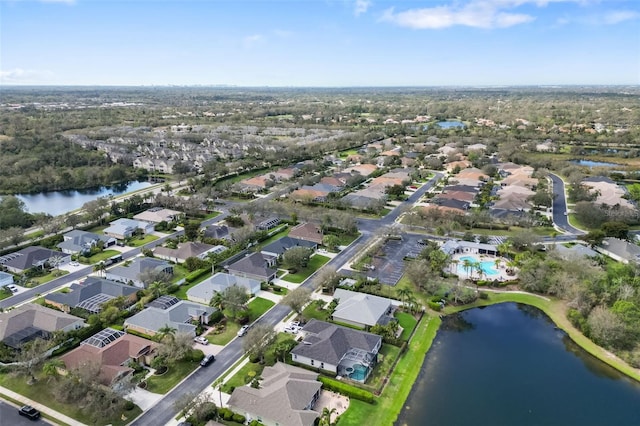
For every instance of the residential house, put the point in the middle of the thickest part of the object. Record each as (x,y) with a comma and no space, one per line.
(112,350)
(455,247)
(30,321)
(457,195)
(154,164)
(156,215)
(268,224)
(33,257)
(256,266)
(283,174)
(255,184)
(306,195)
(132,272)
(220,232)
(362,310)
(333,181)
(307,232)
(620,250)
(5,279)
(125,228)
(219,282)
(341,350)
(91,294)
(577,251)
(462,206)
(278,247)
(81,242)
(363,169)
(457,165)
(608,192)
(286,397)
(181,315)
(187,250)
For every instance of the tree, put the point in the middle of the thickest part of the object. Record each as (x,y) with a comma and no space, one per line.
(297,299)
(51,368)
(297,257)
(257,341)
(234,299)
(395,191)
(191,230)
(404,293)
(331,241)
(594,237)
(31,356)
(176,348)
(100,268)
(525,239)
(166,333)
(616,230)
(327,278)
(605,328)
(149,276)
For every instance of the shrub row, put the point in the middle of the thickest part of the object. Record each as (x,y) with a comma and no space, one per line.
(347,389)
(191,277)
(229,415)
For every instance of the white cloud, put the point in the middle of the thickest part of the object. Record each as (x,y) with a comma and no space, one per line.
(615,17)
(252,40)
(361,6)
(470,13)
(20,76)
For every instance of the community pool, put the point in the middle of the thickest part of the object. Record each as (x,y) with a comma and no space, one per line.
(488,266)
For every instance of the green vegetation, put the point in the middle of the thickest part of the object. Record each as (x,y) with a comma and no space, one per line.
(314,310)
(315,262)
(248,372)
(50,276)
(279,232)
(257,307)
(141,240)
(178,371)
(407,322)
(225,335)
(99,257)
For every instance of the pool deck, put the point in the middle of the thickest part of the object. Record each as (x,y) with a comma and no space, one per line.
(456,268)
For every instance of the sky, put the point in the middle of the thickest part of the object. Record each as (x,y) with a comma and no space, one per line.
(320,43)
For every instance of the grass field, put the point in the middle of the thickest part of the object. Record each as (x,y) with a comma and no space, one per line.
(407,322)
(137,242)
(50,276)
(99,257)
(175,374)
(259,306)
(229,332)
(315,263)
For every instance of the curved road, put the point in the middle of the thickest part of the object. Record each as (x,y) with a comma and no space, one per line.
(560,213)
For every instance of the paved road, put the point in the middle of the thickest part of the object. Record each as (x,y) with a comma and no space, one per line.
(560,215)
(9,416)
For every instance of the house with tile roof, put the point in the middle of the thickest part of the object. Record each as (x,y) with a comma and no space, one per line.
(30,321)
(257,266)
(280,246)
(81,242)
(177,314)
(187,250)
(286,397)
(307,232)
(158,214)
(340,350)
(124,228)
(132,272)
(33,257)
(362,310)
(111,350)
(219,282)
(91,294)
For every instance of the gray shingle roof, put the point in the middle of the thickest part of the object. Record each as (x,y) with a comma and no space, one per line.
(177,316)
(90,288)
(360,307)
(29,257)
(286,243)
(135,268)
(285,391)
(254,264)
(328,343)
(218,283)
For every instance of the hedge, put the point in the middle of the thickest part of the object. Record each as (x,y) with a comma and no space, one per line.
(347,389)
(191,277)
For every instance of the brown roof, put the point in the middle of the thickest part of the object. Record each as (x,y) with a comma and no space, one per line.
(310,194)
(110,357)
(331,180)
(307,232)
(442,209)
(458,195)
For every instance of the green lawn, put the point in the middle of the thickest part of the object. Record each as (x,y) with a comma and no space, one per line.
(224,337)
(315,263)
(259,306)
(280,231)
(407,322)
(50,276)
(33,235)
(313,311)
(389,355)
(181,293)
(5,292)
(141,240)
(99,257)
(175,374)
(242,377)
(41,391)
(179,272)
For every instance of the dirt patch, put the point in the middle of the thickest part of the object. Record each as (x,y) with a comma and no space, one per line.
(332,401)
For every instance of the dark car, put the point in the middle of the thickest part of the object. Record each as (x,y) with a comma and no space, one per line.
(207,360)
(29,412)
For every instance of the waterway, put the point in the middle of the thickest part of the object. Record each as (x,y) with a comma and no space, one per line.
(59,202)
(508,364)
(591,164)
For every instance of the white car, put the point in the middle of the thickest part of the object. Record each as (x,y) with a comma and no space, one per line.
(201,340)
(13,288)
(243,330)
(292,330)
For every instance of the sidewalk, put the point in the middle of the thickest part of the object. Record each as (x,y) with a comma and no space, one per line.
(43,409)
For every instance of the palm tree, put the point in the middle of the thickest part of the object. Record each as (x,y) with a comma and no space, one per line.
(404,292)
(498,261)
(217,301)
(99,268)
(166,331)
(157,289)
(50,368)
(325,417)
(412,301)
(455,263)
(466,263)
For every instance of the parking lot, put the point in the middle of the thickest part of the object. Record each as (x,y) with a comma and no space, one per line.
(390,267)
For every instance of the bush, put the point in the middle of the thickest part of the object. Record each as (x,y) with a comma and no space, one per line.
(483,295)
(129,405)
(435,306)
(347,389)
(197,355)
(576,319)
(239,418)
(195,275)
(225,413)
(215,317)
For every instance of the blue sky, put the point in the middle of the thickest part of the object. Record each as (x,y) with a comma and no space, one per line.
(319,42)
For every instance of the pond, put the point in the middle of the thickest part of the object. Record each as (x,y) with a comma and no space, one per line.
(59,202)
(450,124)
(508,364)
(589,163)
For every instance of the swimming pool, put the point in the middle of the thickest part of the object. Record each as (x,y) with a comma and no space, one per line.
(488,266)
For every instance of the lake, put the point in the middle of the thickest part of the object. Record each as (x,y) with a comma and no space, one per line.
(589,163)
(507,364)
(59,202)
(450,124)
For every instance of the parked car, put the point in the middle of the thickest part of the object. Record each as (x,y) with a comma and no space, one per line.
(29,412)
(243,330)
(208,359)
(201,340)
(292,330)
(13,288)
